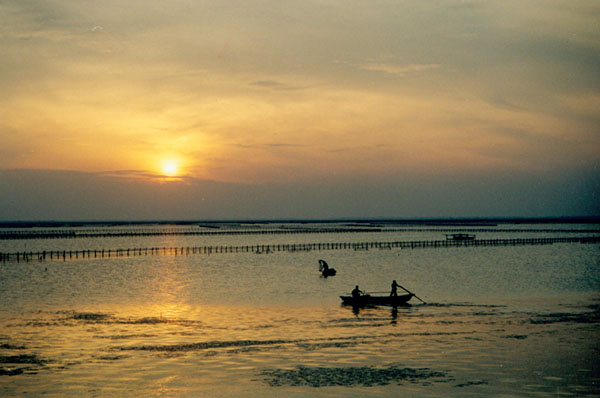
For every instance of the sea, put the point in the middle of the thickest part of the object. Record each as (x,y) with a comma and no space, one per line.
(240,309)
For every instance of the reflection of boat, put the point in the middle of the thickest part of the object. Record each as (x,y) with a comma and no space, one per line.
(460,237)
(367,299)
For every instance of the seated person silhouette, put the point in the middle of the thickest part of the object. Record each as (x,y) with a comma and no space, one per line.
(356,293)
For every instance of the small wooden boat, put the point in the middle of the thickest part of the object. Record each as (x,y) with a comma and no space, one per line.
(367,299)
(461,237)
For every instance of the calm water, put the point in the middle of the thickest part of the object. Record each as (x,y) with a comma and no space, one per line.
(513,321)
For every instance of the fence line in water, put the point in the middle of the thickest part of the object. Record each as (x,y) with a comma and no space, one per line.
(64,255)
(72,234)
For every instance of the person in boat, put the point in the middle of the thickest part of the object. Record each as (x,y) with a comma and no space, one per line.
(356,293)
(394,292)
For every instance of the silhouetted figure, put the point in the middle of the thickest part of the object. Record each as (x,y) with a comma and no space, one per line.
(394,292)
(356,292)
(325,270)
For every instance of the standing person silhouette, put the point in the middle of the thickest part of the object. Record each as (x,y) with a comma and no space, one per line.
(394,292)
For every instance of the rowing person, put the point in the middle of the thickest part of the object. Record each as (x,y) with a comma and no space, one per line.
(394,292)
(356,292)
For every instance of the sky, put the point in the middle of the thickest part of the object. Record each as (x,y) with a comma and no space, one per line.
(222,109)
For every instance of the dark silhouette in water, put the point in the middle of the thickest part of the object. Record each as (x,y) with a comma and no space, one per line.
(325,270)
(394,315)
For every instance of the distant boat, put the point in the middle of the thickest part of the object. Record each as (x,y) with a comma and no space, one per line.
(460,237)
(367,299)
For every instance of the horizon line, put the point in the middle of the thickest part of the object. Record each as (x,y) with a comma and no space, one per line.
(398,220)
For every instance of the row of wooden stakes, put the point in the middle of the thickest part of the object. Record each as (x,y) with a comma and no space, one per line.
(63,255)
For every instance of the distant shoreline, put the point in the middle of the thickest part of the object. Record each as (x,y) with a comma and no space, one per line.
(492,221)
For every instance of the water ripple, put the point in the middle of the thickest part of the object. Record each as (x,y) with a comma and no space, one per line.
(350,376)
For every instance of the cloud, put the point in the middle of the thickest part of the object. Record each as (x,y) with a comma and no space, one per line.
(276,85)
(398,70)
(270,146)
(267,83)
(135,174)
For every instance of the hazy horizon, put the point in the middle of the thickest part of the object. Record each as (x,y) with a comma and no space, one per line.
(68,195)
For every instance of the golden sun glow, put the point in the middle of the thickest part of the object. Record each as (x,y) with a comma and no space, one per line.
(170,168)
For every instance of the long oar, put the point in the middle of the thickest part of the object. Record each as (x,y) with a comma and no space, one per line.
(404,289)
(412,293)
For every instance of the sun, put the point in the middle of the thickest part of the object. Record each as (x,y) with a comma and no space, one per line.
(170,168)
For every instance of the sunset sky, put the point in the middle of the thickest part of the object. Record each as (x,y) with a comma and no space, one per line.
(266,109)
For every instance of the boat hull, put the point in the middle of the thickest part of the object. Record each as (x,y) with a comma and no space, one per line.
(366,299)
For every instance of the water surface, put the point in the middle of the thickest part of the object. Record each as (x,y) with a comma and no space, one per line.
(499,321)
